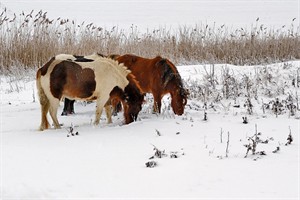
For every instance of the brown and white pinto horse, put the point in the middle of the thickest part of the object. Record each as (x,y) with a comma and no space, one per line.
(131,98)
(77,80)
(158,76)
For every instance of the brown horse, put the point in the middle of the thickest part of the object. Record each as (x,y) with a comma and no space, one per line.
(132,99)
(158,76)
(78,80)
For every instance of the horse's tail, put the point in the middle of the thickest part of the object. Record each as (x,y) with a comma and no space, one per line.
(44,101)
(40,89)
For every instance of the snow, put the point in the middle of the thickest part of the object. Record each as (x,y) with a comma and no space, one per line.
(108,161)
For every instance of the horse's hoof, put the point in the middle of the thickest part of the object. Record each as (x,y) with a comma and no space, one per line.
(64,113)
(96,123)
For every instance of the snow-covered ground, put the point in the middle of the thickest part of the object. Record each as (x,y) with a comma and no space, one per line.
(109,160)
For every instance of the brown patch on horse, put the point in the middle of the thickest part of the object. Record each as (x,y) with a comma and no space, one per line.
(64,80)
(44,69)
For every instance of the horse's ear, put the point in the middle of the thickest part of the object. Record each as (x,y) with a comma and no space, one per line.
(160,62)
(114,56)
(184,92)
(100,55)
(133,59)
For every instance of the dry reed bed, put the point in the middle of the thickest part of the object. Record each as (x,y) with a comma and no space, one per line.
(29,40)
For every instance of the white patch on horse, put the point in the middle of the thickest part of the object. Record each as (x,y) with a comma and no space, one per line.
(65,57)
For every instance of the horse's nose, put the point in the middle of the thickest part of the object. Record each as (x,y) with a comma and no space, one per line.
(180,111)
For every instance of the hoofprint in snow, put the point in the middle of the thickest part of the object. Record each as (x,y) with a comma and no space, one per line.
(230,143)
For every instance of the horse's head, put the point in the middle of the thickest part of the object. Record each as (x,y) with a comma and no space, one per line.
(179,100)
(172,83)
(131,110)
(133,100)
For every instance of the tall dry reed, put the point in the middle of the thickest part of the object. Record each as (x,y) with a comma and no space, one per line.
(29,40)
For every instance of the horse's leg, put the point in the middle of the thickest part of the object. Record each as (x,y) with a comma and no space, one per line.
(100,104)
(54,103)
(44,101)
(127,115)
(66,106)
(108,113)
(157,103)
(72,107)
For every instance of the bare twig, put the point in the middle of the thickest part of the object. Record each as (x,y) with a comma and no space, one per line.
(227,146)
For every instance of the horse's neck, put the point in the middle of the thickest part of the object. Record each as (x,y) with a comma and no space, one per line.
(117,72)
(120,81)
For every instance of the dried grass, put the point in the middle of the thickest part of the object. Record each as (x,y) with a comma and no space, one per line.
(29,40)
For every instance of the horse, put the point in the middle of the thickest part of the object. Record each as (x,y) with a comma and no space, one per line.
(158,76)
(78,80)
(132,101)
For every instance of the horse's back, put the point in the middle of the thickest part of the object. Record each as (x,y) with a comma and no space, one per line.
(144,69)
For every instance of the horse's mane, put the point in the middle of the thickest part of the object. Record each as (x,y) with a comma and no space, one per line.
(172,66)
(119,67)
(169,72)
(134,82)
